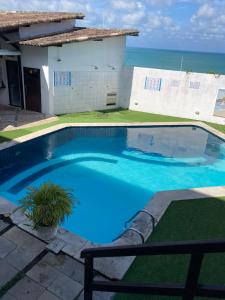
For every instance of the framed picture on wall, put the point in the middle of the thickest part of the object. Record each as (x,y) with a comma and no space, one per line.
(220,104)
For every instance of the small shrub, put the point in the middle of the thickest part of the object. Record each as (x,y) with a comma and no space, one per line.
(47,205)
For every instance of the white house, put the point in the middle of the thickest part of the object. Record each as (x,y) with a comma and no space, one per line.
(49,65)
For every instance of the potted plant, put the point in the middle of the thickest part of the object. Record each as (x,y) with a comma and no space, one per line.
(47,206)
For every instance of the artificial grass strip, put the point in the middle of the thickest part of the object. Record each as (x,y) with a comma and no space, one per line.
(108,116)
(114,116)
(202,219)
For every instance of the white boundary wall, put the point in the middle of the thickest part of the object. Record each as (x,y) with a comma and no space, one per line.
(180,101)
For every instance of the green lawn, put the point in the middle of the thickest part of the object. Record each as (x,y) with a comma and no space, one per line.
(184,220)
(118,115)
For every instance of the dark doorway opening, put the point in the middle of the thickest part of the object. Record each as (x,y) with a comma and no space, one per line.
(14,83)
(32,85)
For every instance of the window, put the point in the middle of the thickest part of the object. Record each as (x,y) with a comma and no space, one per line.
(62,78)
(194,85)
(153,84)
(175,83)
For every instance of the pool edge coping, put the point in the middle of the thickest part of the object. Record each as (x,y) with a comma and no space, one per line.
(72,244)
(51,129)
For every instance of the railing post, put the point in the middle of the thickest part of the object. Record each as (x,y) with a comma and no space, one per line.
(192,277)
(88,277)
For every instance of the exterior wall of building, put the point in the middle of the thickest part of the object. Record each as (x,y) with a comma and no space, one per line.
(95,68)
(37,57)
(181,94)
(4,93)
(45,28)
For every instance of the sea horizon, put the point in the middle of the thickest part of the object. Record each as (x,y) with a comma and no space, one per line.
(176,50)
(170,59)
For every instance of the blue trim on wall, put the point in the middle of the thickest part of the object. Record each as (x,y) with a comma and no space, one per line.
(160,84)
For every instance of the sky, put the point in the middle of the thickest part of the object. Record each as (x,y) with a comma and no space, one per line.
(195,25)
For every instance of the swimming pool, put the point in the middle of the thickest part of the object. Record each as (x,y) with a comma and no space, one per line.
(113,171)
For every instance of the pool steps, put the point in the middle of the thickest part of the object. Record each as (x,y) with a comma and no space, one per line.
(126,229)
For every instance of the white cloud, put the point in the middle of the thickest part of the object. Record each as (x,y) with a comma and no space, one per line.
(161,2)
(159,21)
(133,18)
(206,11)
(126,5)
(49,5)
(209,21)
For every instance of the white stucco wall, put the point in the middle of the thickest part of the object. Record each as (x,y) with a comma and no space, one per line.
(96,70)
(181,101)
(38,29)
(37,57)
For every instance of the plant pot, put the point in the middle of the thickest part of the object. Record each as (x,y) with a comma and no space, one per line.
(47,233)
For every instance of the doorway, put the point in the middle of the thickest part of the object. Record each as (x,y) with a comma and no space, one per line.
(13,76)
(32,85)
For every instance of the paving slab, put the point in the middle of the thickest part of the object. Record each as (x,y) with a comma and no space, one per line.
(7,272)
(56,245)
(6,207)
(12,118)
(22,238)
(20,258)
(6,247)
(113,268)
(27,247)
(3,224)
(99,295)
(71,239)
(26,289)
(8,297)
(65,288)
(48,296)
(18,217)
(43,273)
(65,264)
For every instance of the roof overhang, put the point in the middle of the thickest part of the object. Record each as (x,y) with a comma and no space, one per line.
(76,35)
(4,52)
(12,20)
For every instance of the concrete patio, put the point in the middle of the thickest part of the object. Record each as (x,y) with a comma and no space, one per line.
(13,117)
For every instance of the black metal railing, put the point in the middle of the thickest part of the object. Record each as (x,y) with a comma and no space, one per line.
(187,291)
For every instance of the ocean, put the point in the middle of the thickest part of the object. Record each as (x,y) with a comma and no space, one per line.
(199,62)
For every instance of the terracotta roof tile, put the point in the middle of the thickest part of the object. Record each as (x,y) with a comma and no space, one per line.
(77,35)
(13,20)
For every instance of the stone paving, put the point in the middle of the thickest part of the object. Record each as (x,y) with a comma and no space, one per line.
(13,117)
(28,270)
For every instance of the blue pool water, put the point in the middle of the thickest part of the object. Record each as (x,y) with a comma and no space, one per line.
(113,172)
